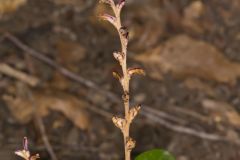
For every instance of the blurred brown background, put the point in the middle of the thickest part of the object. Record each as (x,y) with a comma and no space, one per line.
(56,84)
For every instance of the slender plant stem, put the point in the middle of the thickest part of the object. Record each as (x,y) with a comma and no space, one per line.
(124,78)
(125,84)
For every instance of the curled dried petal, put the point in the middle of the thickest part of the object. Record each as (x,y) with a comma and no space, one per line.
(133,112)
(108,18)
(119,56)
(121,1)
(119,122)
(117,76)
(130,143)
(139,71)
(120,4)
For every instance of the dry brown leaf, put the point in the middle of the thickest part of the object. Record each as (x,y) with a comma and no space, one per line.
(69,52)
(117,76)
(7,6)
(192,13)
(71,107)
(197,84)
(19,108)
(222,112)
(60,82)
(186,57)
(137,71)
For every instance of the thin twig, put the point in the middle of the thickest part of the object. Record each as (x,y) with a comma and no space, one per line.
(100,111)
(190,113)
(185,130)
(12,72)
(163,115)
(192,132)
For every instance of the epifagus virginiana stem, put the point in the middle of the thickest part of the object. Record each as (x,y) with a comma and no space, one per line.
(123,123)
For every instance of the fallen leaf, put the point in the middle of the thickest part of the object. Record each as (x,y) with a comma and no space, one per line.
(192,14)
(70,53)
(73,108)
(222,112)
(197,84)
(186,57)
(8,6)
(59,82)
(20,109)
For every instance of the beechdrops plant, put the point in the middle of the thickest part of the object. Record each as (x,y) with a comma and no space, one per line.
(121,56)
(124,78)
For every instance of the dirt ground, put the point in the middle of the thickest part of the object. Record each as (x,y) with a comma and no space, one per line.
(190,50)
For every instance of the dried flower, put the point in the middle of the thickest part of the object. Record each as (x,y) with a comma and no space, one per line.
(133,112)
(25,153)
(108,18)
(130,143)
(119,56)
(119,122)
(138,71)
(120,4)
(117,76)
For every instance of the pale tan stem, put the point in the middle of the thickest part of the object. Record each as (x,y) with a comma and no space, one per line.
(125,78)
(125,85)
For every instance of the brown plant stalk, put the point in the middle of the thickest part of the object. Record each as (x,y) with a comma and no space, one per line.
(123,123)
